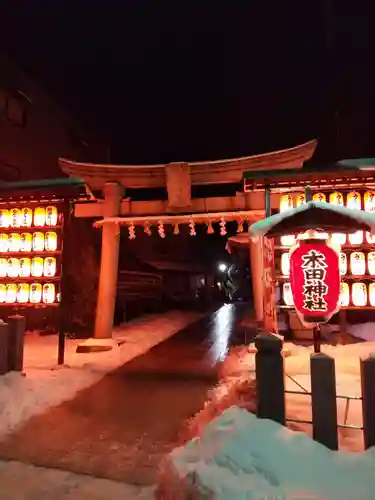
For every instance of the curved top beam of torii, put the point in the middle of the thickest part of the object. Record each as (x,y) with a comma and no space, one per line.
(210,172)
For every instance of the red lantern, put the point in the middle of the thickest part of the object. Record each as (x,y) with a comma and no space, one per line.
(315,280)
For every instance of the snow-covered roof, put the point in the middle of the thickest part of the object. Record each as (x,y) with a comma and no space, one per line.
(314,215)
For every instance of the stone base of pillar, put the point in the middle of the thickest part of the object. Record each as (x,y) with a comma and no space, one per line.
(96,345)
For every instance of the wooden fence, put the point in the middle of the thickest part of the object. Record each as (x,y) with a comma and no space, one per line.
(270,389)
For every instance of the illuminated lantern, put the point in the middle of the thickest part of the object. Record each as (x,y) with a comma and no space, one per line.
(286,202)
(371,293)
(370,238)
(4,245)
(336,198)
(23,293)
(25,267)
(48,293)
(26,217)
(357,263)
(321,197)
(39,216)
(287,294)
(359,294)
(35,293)
(371,263)
(38,242)
(301,199)
(354,201)
(49,266)
(14,242)
(369,201)
(343,264)
(315,279)
(51,216)
(339,238)
(288,240)
(15,217)
(4,217)
(13,270)
(3,268)
(50,241)
(11,293)
(285,263)
(344,294)
(356,238)
(3,293)
(37,267)
(26,242)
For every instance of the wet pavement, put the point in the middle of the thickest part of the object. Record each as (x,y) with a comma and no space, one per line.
(121,427)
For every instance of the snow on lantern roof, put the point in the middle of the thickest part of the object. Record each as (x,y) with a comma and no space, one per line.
(314,215)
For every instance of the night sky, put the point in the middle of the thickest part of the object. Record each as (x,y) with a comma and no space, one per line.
(168,81)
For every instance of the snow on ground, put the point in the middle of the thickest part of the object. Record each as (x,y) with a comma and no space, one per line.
(44,385)
(239,457)
(237,387)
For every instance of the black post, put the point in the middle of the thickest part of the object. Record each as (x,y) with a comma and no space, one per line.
(267,201)
(269,365)
(323,400)
(368,400)
(63,287)
(17,327)
(316,335)
(308,194)
(4,343)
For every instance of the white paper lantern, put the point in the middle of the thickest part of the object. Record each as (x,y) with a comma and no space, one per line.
(286,202)
(320,197)
(288,240)
(300,200)
(371,263)
(344,294)
(285,263)
(287,295)
(359,294)
(356,238)
(343,264)
(357,263)
(371,293)
(354,200)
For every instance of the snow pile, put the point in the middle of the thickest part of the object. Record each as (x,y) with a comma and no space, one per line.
(44,385)
(239,457)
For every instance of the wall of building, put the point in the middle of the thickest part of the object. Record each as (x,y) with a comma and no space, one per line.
(35,130)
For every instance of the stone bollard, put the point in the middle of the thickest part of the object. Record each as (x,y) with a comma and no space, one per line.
(17,327)
(269,365)
(323,400)
(4,341)
(368,400)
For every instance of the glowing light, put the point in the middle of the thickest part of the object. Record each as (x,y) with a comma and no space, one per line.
(49,266)
(11,293)
(37,267)
(3,293)
(26,217)
(285,263)
(354,200)
(222,267)
(26,242)
(371,263)
(344,294)
(339,238)
(3,267)
(288,240)
(50,241)
(39,216)
(301,199)
(356,238)
(287,294)
(4,217)
(4,242)
(357,263)
(35,293)
(49,293)
(38,242)
(13,270)
(51,216)
(320,197)
(23,293)
(25,267)
(286,202)
(369,201)
(336,198)
(371,291)
(343,264)
(14,242)
(359,294)
(15,217)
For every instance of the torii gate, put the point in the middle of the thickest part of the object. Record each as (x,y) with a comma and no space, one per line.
(114,208)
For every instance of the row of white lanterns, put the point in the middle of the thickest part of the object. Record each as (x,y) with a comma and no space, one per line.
(353,201)
(357,261)
(359,297)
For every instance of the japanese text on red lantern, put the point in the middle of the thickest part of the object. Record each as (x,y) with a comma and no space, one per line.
(314,287)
